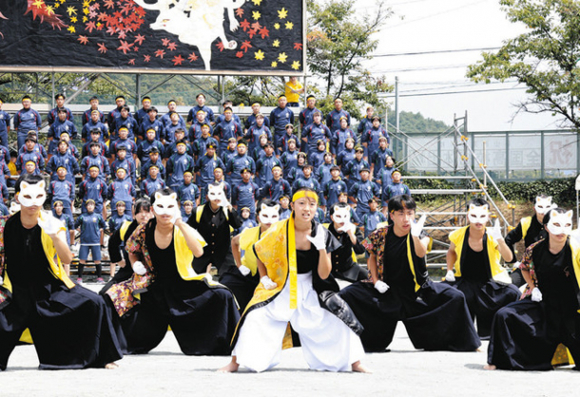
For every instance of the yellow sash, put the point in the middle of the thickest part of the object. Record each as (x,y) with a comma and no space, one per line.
(457,237)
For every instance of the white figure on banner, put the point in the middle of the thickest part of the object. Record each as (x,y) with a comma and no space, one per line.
(196,22)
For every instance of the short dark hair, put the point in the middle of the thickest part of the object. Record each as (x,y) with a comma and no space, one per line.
(166,191)
(402,202)
(142,204)
(478,202)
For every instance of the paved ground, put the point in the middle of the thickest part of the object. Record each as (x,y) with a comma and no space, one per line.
(402,372)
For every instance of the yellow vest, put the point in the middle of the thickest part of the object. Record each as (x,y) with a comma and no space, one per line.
(247,239)
(525,222)
(457,237)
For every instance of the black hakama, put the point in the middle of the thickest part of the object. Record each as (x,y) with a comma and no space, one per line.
(71,328)
(525,334)
(203,319)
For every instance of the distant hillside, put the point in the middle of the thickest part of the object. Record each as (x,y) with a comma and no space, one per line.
(415,122)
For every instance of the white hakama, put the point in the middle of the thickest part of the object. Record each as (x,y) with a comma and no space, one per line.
(328,344)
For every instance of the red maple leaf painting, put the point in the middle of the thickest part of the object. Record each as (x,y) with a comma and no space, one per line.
(298,46)
(252,33)
(122,34)
(40,10)
(240,54)
(83,39)
(159,54)
(125,47)
(264,32)
(246,45)
(135,48)
(90,26)
(109,4)
(165,42)
(147,58)
(131,61)
(139,39)
(256,25)
(172,46)
(102,48)
(102,16)
(111,30)
(240,12)
(220,45)
(245,25)
(192,57)
(178,60)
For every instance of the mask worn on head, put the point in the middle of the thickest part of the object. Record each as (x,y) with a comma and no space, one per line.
(165,205)
(14,208)
(341,215)
(269,215)
(478,213)
(215,192)
(543,205)
(32,195)
(560,223)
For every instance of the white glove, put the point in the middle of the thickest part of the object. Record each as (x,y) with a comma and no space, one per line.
(176,215)
(516,265)
(320,240)
(1,280)
(450,276)
(139,268)
(49,223)
(224,200)
(536,295)
(495,231)
(381,286)
(348,226)
(244,270)
(268,283)
(417,227)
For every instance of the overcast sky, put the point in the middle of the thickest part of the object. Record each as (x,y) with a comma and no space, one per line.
(442,25)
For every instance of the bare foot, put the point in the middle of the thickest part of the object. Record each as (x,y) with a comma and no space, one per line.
(489,367)
(111,366)
(358,367)
(231,367)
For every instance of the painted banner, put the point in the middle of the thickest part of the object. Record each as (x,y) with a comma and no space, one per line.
(176,36)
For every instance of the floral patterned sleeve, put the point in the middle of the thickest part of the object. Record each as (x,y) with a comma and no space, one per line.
(370,243)
(527,262)
(135,242)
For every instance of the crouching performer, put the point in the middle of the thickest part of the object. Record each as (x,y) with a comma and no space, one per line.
(70,325)
(398,289)
(165,290)
(296,286)
(526,333)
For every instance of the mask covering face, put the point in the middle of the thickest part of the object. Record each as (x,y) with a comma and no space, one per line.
(478,214)
(165,205)
(341,214)
(543,205)
(560,223)
(32,195)
(215,192)
(269,215)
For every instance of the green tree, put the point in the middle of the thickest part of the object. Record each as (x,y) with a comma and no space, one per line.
(544,58)
(340,37)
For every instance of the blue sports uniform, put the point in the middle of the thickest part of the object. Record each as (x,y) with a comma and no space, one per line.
(86,149)
(116,221)
(278,119)
(200,145)
(88,127)
(24,121)
(86,117)
(145,148)
(27,156)
(253,134)
(395,189)
(62,190)
(171,149)
(306,116)
(95,189)
(289,160)
(332,189)
(302,181)
(129,123)
(176,166)
(285,139)
(251,121)
(187,193)
(121,190)
(66,160)
(204,169)
(362,192)
(69,223)
(339,138)
(333,119)
(145,169)
(244,194)
(264,169)
(371,138)
(226,130)
(91,225)
(52,116)
(209,116)
(4,125)
(166,120)
(274,189)
(99,161)
(195,131)
(150,186)
(156,124)
(57,128)
(352,171)
(313,133)
(237,164)
(371,220)
(378,158)
(128,143)
(128,164)
(345,157)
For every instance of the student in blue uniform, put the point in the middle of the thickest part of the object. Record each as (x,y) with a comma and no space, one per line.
(384,178)
(289,158)
(276,187)
(153,182)
(90,224)
(166,118)
(188,191)
(396,188)
(314,133)
(253,134)
(209,116)
(352,169)
(338,141)
(228,104)
(251,120)
(245,193)
(57,127)
(119,217)
(153,160)
(124,140)
(240,162)
(366,122)
(370,139)
(30,155)
(285,210)
(334,187)
(265,164)
(39,148)
(226,129)
(127,121)
(378,158)
(171,148)
(114,114)
(142,114)
(247,221)
(260,150)
(94,105)
(95,159)
(200,145)
(69,224)
(53,114)
(62,190)
(121,189)
(95,123)
(371,220)
(306,116)
(218,174)
(4,125)
(151,121)
(333,118)
(323,171)
(93,188)
(296,171)
(316,158)
(26,120)
(125,162)
(279,118)
(286,138)
(363,191)
(95,136)
(306,180)
(147,144)
(171,127)
(204,169)
(229,153)
(63,159)
(177,165)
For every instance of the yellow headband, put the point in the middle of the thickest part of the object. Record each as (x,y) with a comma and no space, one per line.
(305,193)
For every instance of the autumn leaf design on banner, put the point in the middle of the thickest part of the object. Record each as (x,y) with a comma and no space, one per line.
(220,35)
